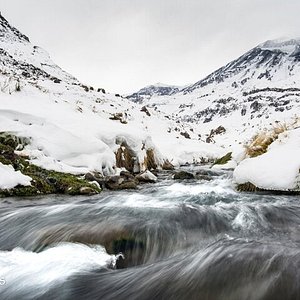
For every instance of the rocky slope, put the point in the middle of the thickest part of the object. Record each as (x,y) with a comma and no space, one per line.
(257,89)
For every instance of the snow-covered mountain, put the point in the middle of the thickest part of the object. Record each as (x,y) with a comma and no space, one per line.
(73,127)
(22,60)
(158,89)
(269,64)
(257,89)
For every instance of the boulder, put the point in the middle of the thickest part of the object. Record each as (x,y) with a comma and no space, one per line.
(146,177)
(125,157)
(119,183)
(126,175)
(181,175)
(87,191)
(97,177)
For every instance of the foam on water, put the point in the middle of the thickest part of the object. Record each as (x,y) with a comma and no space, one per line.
(223,186)
(183,239)
(39,271)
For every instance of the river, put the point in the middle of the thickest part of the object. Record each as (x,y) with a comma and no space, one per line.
(170,240)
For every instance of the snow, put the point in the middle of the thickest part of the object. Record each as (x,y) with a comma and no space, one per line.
(224,97)
(70,127)
(66,140)
(277,169)
(147,175)
(25,269)
(69,124)
(9,178)
(284,45)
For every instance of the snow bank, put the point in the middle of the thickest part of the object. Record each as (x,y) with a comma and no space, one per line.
(9,178)
(79,137)
(278,168)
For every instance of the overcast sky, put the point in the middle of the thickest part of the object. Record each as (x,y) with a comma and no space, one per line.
(123,45)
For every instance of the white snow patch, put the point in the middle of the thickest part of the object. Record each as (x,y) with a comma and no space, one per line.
(9,178)
(278,168)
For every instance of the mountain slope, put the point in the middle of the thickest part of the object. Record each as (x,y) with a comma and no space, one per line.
(272,62)
(21,59)
(72,127)
(257,89)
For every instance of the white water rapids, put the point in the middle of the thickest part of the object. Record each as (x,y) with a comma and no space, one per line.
(180,240)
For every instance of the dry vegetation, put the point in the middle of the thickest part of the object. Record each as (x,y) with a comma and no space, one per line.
(261,141)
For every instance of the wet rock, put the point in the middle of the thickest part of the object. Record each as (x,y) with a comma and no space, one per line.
(155,172)
(132,249)
(207,173)
(204,177)
(120,183)
(93,177)
(128,185)
(87,191)
(146,177)
(183,175)
(127,175)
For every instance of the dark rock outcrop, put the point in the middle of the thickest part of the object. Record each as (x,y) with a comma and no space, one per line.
(181,175)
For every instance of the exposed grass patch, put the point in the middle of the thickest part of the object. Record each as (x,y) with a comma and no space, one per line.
(261,141)
(247,187)
(43,181)
(250,187)
(224,159)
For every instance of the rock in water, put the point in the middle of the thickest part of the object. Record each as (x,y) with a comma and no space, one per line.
(183,175)
(146,176)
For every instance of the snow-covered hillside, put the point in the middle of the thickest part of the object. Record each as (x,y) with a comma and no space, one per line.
(252,92)
(76,128)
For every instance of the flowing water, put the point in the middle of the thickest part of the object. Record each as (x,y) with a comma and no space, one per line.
(169,240)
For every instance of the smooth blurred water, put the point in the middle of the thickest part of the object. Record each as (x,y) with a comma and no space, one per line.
(180,240)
